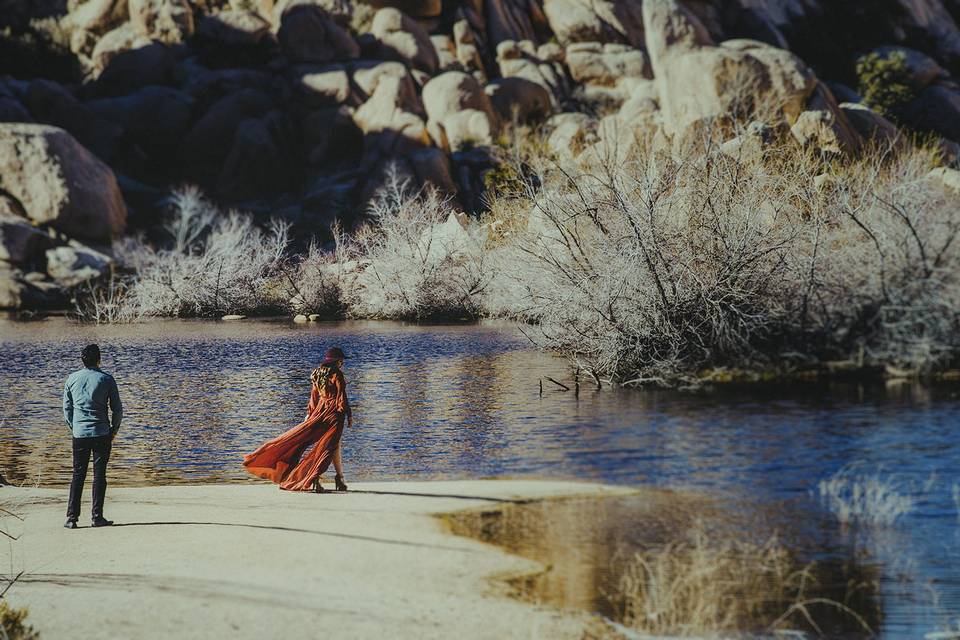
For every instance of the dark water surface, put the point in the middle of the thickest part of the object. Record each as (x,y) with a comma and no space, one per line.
(463,402)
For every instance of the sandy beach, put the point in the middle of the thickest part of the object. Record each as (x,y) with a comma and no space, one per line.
(244,561)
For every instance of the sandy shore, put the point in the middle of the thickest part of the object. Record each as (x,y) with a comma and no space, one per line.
(244,561)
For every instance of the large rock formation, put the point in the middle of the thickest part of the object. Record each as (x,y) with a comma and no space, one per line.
(57,182)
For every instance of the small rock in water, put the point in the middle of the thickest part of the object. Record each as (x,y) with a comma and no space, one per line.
(233,317)
(313,317)
(299,318)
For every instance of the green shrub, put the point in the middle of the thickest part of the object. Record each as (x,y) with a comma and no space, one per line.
(884,83)
(12,622)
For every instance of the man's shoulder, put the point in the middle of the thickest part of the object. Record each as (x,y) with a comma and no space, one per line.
(92,373)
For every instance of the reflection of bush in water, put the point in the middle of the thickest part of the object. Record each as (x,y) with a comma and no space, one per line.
(866,499)
(623,560)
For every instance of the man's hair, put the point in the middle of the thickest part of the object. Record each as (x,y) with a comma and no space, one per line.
(90,355)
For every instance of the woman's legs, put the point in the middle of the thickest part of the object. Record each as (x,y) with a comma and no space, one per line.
(338,460)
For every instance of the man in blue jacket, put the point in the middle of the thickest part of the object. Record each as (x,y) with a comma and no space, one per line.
(87,395)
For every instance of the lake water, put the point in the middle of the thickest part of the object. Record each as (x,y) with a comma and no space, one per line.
(465,402)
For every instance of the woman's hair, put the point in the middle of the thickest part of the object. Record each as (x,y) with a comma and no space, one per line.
(321,376)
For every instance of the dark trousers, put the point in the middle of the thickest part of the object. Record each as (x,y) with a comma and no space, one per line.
(82,448)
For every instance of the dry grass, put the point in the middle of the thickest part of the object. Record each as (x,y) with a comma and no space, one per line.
(702,587)
(858,498)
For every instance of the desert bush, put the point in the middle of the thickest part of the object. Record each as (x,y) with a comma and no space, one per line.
(316,280)
(416,259)
(864,499)
(884,83)
(704,587)
(106,301)
(652,267)
(13,624)
(216,263)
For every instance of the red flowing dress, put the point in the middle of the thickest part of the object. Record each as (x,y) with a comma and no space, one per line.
(285,459)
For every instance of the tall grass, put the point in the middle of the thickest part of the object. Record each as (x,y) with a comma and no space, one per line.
(708,588)
(865,499)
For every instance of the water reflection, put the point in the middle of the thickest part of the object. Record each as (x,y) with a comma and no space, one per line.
(464,402)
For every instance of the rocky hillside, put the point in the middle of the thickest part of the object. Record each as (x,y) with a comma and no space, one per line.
(295,108)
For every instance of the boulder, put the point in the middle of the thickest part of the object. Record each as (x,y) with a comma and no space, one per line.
(368,74)
(20,241)
(58,182)
(12,287)
(234,28)
(209,140)
(513,20)
(331,134)
(415,8)
(156,118)
(168,21)
(257,164)
(432,166)
(459,111)
(12,110)
(520,98)
(749,146)
(388,127)
(946,178)
(319,87)
(308,34)
(618,21)
(140,64)
(446,53)
(937,108)
(401,38)
(606,64)
(116,41)
(523,60)
(821,131)
(571,134)
(922,69)
(70,266)
(741,80)
(97,16)
(869,124)
(52,104)
(340,11)
(467,49)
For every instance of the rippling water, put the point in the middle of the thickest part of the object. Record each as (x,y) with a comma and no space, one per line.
(464,401)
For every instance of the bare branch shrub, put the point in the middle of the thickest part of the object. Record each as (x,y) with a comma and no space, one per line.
(417,259)
(218,263)
(652,267)
(316,280)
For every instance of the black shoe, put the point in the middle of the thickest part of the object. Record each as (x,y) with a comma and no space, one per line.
(101,522)
(341,485)
(70,524)
(317,488)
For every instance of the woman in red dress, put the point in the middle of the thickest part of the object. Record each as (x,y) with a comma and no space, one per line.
(283,460)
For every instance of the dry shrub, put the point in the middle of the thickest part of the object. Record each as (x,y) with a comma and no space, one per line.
(702,587)
(649,267)
(13,625)
(417,259)
(217,263)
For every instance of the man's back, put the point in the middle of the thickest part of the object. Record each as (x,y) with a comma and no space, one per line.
(87,396)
